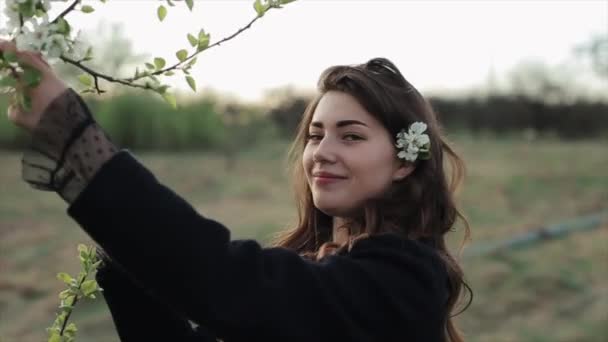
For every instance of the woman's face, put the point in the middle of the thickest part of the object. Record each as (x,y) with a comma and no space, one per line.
(349,143)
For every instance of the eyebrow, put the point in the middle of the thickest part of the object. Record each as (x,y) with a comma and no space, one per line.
(339,124)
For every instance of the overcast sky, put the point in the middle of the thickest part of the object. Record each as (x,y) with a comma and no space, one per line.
(438,45)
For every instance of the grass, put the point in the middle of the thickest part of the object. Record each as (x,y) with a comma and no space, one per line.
(555,291)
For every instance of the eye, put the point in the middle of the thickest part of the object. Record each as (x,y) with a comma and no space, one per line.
(313,137)
(353,137)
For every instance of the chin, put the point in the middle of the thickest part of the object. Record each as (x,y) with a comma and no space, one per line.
(331,210)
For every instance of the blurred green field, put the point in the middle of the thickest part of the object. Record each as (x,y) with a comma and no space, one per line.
(556,291)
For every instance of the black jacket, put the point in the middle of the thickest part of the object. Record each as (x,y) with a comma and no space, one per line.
(170,265)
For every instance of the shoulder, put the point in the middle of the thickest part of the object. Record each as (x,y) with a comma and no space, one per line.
(403,279)
(393,244)
(412,264)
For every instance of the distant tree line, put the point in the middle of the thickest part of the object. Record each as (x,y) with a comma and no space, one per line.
(496,114)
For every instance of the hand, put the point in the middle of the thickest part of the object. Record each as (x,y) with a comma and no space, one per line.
(49,88)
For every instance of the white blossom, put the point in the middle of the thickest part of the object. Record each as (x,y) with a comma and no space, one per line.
(46,4)
(417,128)
(35,34)
(407,156)
(413,142)
(12,17)
(56,45)
(13,21)
(422,140)
(79,48)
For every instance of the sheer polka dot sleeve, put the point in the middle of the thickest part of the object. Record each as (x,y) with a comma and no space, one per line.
(67,148)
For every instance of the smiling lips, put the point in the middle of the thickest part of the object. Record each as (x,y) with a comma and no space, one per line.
(326,177)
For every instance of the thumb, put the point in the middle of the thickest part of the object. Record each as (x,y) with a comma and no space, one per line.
(30,58)
(13,114)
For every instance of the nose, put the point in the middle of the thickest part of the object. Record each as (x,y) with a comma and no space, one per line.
(324,151)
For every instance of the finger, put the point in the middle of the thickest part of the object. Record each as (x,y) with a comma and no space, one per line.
(13,114)
(6,45)
(39,56)
(33,59)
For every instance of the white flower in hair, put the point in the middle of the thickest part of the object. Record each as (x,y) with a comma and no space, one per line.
(417,128)
(414,143)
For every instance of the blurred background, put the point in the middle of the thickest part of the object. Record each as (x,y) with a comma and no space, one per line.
(520,86)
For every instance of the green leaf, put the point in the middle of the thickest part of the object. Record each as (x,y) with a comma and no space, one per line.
(10,56)
(89,54)
(193,41)
(87,9)
(63,26)
(192,61)
(86,79)
(161,12)
(8,81)
(170,99)
(70,329)
(285,2)
(259,8)
(162,89)
(190,4)
(203,40)
(31,77)
(201,35)
(182,55)
(202,45)
(150,66)
(159,63)
(64,277)
(191,83)
(27,10)
(65,294)
(25,101)
(170,3)
(82,248)
(169,73)
(88,287)
(55,337)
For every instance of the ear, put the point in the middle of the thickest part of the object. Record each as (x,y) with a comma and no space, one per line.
(403,171)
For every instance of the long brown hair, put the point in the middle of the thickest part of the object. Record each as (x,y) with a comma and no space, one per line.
(420,206)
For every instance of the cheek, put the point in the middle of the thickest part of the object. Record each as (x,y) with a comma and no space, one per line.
(374,172)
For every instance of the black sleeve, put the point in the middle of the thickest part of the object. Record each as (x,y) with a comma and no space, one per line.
(66,148)
(239,289)
(138,315)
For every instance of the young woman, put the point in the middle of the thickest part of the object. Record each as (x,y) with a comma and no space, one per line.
(367,260)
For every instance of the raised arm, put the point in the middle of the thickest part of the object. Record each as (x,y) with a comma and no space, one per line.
(385,287)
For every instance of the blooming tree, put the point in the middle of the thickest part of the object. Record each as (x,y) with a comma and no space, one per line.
(28,25)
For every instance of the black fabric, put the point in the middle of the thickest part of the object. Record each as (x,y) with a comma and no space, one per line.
(66,148)
(139,315)
(386,288)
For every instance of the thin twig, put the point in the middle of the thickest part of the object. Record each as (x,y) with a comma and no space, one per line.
(66,11)
(65,321)
(129,81)
(96,76)
(158,72)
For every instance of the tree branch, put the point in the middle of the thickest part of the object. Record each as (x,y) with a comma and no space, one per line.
(66,11)
(96,76)
(158,72)
(129,81)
